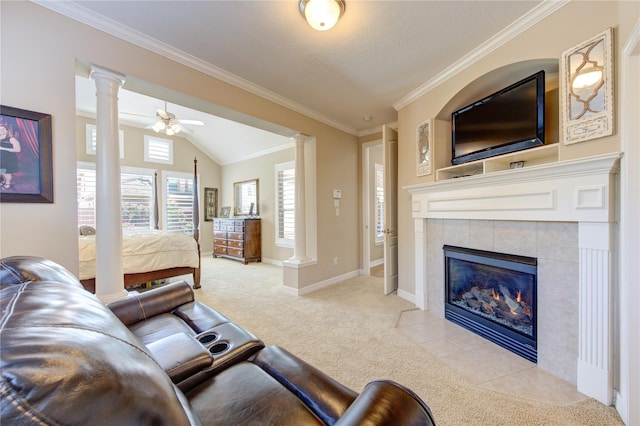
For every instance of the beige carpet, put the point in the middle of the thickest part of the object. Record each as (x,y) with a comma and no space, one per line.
(349,331)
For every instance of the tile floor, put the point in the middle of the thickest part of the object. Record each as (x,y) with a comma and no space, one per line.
(464,351)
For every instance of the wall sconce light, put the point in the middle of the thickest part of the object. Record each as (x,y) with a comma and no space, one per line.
(322,15)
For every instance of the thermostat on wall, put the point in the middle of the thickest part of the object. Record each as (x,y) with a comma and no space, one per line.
(337,193)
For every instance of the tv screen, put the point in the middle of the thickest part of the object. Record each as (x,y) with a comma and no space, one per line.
(509,120)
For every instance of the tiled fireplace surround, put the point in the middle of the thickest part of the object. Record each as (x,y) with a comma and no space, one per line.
(563,214)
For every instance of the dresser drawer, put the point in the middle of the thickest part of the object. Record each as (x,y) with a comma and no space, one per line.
(220,249)
(220,234)
(220,242)
(235,236)
(235,252)
(238,244)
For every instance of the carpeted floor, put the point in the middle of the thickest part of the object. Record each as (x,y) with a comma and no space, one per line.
(349,332)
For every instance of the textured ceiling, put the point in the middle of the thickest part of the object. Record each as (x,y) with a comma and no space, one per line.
(378,54)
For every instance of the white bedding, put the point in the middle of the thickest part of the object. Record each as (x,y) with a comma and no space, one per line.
(146,252)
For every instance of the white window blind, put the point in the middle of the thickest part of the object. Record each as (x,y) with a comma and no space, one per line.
(91,140)
(178,209)
(158,150)
(136,201)
(379,202)
(285,203)
(86,194)
(136,192)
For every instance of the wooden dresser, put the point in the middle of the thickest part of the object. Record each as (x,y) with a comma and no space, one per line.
(237,238)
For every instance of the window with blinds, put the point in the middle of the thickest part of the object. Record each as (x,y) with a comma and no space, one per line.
(91,140)
(379,203)
(285,203)
(158,150)
(178,208)
(136,192)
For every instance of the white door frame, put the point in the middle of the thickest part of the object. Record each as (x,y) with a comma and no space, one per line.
(366,205)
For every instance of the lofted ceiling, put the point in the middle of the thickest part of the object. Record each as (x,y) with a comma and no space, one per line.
(380,55)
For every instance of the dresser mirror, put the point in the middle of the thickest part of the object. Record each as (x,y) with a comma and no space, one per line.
(246,199)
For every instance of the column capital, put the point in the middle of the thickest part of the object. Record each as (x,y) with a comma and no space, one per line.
(300,137)
(100,73)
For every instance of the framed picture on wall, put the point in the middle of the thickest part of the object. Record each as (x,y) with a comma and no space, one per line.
(210,203)
(26,172)
(423,148)
(224,212)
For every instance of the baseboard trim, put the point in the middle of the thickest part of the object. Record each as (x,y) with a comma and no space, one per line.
(322,284)
(376,262)
(407,296)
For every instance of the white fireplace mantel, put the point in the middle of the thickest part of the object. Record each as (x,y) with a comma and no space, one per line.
(582,191)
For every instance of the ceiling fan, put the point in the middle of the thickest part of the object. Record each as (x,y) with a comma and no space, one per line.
(168,123)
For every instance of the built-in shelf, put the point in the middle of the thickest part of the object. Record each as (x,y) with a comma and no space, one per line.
(529,157)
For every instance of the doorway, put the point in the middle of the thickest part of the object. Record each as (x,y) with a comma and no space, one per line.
(373,241)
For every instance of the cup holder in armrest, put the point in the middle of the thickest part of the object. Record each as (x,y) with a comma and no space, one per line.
(208,338)
(228,344)
(219,348)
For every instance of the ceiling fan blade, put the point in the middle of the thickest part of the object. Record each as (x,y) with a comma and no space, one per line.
(163,114)
(193,122)
(137,115)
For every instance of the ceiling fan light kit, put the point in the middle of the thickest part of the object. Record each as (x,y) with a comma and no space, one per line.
(168,123)
(322,15)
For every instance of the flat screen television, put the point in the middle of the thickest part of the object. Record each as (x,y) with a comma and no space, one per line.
(509,120)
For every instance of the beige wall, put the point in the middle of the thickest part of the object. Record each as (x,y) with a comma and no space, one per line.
(184,153)
(261,168)
(543,42)
(38,73)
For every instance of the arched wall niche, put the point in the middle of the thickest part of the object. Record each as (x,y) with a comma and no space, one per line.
(498,79)
(504,76)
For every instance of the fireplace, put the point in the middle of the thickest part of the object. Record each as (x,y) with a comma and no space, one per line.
(580,191)
(494,296)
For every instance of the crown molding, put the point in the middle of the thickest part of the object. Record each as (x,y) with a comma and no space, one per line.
(535,15)
(83,15)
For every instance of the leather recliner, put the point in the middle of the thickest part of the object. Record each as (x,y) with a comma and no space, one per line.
(160,357)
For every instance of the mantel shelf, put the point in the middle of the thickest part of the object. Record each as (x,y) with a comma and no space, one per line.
(573,190)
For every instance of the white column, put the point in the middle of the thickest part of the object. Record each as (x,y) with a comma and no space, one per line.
(595,321)
(109,271)
(300,244)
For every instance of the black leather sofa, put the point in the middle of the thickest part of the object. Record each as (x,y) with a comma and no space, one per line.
(160,358)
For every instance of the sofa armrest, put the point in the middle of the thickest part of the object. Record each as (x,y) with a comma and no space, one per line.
(141,306)
(325,397)
(384,402)
(180,355)
(199,316)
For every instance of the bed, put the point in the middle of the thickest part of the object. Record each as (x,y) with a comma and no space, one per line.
(150,256)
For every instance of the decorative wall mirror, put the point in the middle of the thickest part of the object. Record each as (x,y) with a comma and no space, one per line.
(246,199)
(587,89)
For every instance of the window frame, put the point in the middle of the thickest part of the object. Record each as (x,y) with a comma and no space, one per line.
(91,140)
(148,140)
(167,174)
(86,165)
(279,239)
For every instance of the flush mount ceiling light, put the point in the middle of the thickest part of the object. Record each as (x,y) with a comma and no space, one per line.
(322,15)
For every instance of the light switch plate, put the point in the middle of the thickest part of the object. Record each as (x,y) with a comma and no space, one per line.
(337,193)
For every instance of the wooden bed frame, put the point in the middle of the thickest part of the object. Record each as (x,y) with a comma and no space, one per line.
(132,280)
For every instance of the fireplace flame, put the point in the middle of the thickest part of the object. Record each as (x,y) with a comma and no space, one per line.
(495,295)
(519,298)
